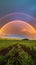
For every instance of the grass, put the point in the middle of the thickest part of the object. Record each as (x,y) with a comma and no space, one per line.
(17,52)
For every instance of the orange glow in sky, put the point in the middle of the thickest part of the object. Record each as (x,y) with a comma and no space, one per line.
(18,27)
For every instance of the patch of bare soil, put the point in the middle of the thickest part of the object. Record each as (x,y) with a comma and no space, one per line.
(5,50)
(28,51)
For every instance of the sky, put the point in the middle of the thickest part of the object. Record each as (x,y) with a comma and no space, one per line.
(20,6)
(25,6)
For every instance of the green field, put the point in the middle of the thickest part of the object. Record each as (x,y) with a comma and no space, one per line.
(17,52)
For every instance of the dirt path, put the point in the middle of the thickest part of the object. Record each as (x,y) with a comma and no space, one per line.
(8,57)
(28,51)
(5,50)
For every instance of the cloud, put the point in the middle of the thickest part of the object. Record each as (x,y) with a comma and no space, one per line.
(19,28)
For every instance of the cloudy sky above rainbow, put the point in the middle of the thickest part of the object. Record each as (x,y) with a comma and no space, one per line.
(18,19)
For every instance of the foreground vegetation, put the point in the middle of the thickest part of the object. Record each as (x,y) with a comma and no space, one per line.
(17,52)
